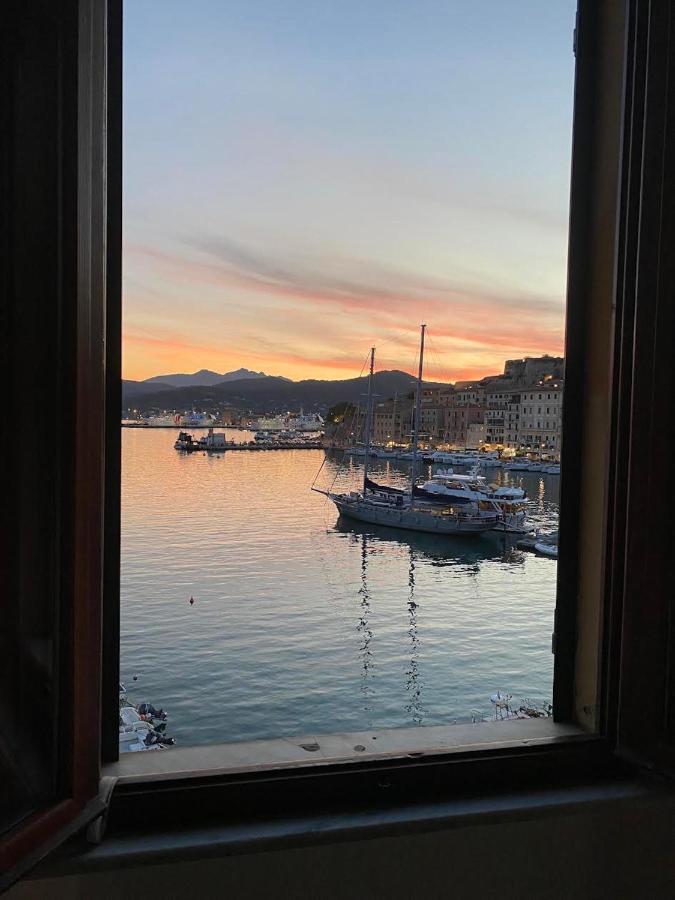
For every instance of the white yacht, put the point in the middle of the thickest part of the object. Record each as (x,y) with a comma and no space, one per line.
(517,465)
(536,465)
(509,501)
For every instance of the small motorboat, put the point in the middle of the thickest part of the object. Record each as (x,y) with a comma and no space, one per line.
(546,549)
(518,465)
(504,709)
(141,727)
(552,469)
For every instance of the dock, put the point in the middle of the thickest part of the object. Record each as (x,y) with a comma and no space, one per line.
(254,448)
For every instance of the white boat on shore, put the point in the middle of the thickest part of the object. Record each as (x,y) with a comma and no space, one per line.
(504,708)
(141,727)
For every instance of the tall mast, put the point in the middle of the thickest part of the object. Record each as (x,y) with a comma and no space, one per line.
(418,406)
(369,418)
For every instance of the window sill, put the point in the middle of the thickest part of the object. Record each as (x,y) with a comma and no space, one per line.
(331,749)
(132,849)
(172,806)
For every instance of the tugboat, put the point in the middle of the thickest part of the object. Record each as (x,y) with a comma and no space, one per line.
(186,442)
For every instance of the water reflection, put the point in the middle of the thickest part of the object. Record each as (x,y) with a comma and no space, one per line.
(363,628)
(466,553)
(414,684)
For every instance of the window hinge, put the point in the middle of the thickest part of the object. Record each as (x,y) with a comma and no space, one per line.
(96,828)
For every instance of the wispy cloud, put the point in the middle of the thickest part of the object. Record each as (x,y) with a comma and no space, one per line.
(310,315)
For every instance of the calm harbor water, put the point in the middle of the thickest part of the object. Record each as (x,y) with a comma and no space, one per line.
(306,624)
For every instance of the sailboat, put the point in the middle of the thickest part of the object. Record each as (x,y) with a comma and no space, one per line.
(395,508)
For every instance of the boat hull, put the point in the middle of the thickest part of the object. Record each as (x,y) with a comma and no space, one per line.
(412,520)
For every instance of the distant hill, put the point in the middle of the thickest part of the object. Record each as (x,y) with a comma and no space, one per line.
(202,378)
(139,388)
(271,393)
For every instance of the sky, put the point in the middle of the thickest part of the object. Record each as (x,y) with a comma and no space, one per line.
(305,179)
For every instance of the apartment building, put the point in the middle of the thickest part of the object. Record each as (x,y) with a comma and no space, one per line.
(392,422)
(457,420)
(540,417)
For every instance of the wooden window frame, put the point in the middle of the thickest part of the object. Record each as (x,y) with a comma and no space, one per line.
(620,292)
(600,48)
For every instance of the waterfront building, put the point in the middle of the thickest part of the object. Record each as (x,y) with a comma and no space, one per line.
(392,422)
(468,394)
(456,420)
(540,417)
(432,423)
(431,396)
(501,416)
(475,436)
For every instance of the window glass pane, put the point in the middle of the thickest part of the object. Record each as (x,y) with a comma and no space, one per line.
(304,182)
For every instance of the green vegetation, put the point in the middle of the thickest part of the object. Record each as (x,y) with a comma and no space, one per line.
(337,413)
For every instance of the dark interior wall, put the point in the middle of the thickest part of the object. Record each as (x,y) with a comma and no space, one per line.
(625,850)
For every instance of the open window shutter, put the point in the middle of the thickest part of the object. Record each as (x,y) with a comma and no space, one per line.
(55,132)
(642,587)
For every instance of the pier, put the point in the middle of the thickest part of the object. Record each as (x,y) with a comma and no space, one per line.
(255,447)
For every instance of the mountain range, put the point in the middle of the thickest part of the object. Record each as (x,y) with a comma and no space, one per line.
(202,378)
(260,393)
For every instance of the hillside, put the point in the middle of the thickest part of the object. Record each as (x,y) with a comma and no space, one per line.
(271,393)
(202,378)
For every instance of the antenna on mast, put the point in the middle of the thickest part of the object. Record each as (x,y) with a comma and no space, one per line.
(418,406)
(369,418)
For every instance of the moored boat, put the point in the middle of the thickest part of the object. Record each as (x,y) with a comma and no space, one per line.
(186,442)
(383,505)
(508,501)
(545,549)
(551,469)
(141,727)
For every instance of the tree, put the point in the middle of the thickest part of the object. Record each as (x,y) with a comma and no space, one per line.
(339,411)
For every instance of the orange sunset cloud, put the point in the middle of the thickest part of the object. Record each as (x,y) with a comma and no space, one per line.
(304,323)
